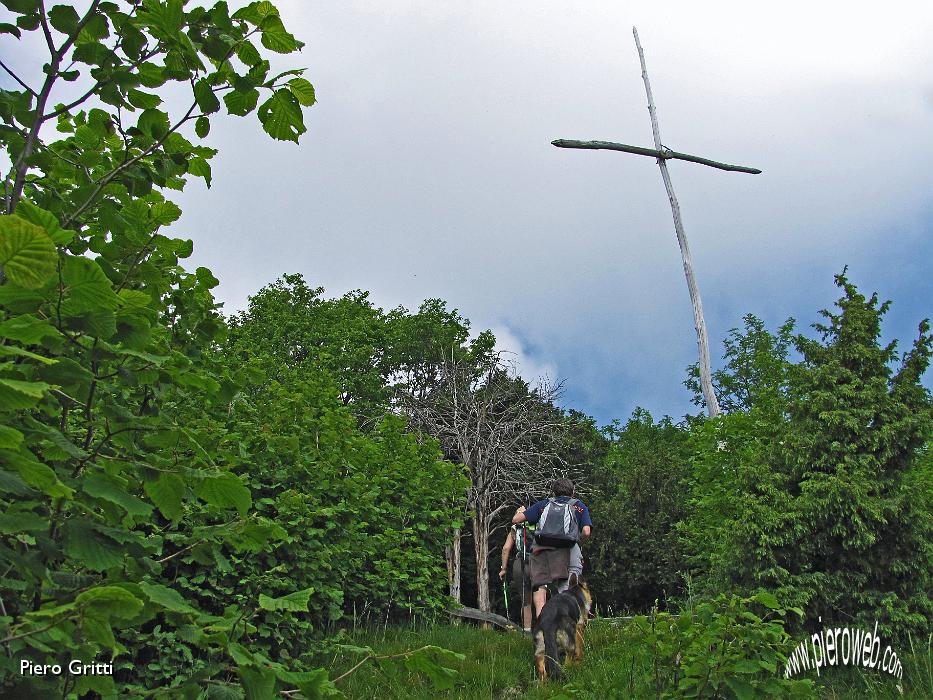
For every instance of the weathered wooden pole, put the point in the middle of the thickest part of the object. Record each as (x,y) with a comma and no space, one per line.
(706,380)
(664,154)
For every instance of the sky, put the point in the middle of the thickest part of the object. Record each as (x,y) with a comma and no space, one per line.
(427,171)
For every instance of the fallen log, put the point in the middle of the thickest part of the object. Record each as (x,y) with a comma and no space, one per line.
(474,614)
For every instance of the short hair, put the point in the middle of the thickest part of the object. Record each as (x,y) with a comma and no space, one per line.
(562,487)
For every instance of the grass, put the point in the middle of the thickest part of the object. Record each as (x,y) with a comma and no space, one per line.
(867,683)
(497,665)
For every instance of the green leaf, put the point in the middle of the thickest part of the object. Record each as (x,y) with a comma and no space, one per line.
(742,688)
(205,97)
(302,90)
(422,661)
(16,394)
(35,473)
(87,288)
(95,29)
(281,116)
(255,12)
(11,523)
(97,324)
(166,597)
(143,100)
(224,691)
(247,53)
(240,654)
(10,29)
(746,666)
(19,300)
(258,684)
(16,351)
(202,127)
(150,75)
(106,602)
(10,438)
(100,486)
(28,22)
(12,483)
(55,436)
(69,375)
(167,492)
(767,599)
(91,549)
(225,491)
(164,213)
(241,103)
(64,18)
(27,254)
(99,631)
(254,536)
(145,356)
(275,37)
(200,168)
(154,123)
(47,220)
(313,684)
(293,602)
(28,329)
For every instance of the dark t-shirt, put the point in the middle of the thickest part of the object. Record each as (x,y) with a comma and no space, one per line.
(533,513)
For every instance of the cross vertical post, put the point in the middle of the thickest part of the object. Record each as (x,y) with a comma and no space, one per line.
(663,154)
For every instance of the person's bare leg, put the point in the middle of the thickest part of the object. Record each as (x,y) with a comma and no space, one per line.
(526,616)
(540,599)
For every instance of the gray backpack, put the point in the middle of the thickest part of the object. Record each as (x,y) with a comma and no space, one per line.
(558,525)
(524,540)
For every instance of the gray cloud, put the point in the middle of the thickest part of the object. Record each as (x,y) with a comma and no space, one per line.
(427,171)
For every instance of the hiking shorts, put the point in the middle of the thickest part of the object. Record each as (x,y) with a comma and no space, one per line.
(521,589)
(550,565)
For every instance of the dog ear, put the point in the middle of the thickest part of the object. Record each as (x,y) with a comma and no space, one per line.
(573,580)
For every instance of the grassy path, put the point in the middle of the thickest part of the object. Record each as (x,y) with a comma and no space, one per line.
(497,665)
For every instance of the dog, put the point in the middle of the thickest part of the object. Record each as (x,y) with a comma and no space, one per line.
(558,631)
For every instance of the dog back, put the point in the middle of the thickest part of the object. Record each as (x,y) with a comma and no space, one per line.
(558,632)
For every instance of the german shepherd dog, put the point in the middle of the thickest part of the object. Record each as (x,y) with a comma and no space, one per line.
(558,631)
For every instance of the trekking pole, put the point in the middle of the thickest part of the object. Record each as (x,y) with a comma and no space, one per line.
(505,594)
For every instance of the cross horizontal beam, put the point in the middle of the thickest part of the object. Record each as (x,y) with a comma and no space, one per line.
(664,154)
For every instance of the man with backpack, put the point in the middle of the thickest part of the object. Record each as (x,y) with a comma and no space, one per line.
(522,539)
(563,522)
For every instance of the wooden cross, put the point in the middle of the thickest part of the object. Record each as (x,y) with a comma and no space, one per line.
(664,154)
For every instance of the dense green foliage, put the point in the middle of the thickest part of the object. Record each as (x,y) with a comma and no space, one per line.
(208,501)
(637,500)
(164,500)
(375,357)
(811,490)
(729,647)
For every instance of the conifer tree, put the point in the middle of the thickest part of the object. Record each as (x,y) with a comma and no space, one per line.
(859,547)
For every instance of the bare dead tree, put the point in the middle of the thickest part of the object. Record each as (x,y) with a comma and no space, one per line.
(508,437)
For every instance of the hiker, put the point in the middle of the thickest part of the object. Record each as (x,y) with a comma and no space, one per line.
(522,539)
(563,521)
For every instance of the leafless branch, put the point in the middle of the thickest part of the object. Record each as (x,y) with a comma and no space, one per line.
(18,80)
(508,435)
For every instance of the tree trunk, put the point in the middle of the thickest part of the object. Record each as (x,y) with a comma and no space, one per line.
(481,549)
(452,554)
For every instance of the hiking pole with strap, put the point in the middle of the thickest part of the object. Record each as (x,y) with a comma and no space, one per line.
(505,594)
